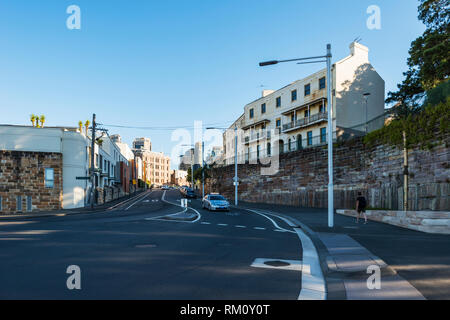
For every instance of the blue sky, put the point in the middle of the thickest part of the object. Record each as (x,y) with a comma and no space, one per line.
(168,63)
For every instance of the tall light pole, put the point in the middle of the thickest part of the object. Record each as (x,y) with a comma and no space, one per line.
(366,96)
(236,179)
(327,58)
(203,168)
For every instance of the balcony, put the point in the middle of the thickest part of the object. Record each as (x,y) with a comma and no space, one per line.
(301,123)
(258,136)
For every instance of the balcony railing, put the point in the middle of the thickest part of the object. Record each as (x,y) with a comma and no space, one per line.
(258,136)
(305,121)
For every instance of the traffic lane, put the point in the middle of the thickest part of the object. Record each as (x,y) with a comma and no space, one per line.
(149,260)
(241,218)
(139,211)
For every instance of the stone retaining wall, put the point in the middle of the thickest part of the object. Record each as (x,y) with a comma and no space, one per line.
(377,172)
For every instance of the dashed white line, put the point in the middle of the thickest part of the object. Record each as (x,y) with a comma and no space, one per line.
(222,224)
(207,223)
(241,227)
(258,228)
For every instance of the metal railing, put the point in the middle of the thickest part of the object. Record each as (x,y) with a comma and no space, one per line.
(305,121)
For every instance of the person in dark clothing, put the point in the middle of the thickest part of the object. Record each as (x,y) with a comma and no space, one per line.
(361,204)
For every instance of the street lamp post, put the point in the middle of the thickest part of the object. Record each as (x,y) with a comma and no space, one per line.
(327,58)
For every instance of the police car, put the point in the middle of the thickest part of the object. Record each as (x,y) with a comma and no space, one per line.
(215,202)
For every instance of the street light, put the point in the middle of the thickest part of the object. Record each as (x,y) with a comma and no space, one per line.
(366,96)
(236,180)
(330,122)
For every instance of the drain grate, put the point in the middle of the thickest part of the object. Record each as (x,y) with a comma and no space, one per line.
(277,263)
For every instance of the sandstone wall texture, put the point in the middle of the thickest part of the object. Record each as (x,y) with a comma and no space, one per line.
(22,174)
(377,172)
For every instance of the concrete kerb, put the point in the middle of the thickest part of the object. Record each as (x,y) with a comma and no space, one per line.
(62,213)
(334,284)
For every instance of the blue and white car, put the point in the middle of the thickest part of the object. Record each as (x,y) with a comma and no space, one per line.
(215,202)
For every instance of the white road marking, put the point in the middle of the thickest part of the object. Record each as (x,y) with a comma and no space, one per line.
(199,216)
(240,226)
(206,223)
(271,220)
(258,228)
(222,224)
(142,198)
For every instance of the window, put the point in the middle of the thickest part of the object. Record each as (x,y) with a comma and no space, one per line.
(289,144)
(263,108)
(49,177)
(323,135)
(252,113)
(308,89)
(19,203)
(278,102)
(278,123)
(293,117)
(322,83)
(294,95)
(29,203)
(269,152)
(306,113)
(310,138)
(322,108)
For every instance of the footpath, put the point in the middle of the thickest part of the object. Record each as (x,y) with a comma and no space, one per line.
(413,265)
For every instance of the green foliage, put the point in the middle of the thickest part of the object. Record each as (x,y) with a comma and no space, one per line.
(424,129)
(429,64)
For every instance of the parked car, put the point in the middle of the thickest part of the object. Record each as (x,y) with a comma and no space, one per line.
(215,202)
(189,193)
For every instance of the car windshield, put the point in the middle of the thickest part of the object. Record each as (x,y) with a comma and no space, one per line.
(216,198)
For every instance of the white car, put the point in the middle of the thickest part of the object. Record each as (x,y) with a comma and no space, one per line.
(215,202)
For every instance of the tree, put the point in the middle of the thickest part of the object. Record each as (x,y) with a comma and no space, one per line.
(86,125)
(42,119)
(37,122)
(429,64)
(80,126)
(33,119)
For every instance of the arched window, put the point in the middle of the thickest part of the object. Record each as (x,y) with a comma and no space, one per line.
(289,144)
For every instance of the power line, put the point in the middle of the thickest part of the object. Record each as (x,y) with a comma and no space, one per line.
(170,128)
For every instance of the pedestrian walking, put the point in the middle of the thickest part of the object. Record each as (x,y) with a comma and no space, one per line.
(361,204)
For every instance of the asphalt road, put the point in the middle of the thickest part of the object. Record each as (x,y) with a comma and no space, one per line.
(128,254)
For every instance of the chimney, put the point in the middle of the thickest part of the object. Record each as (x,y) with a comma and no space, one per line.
(357,49)
(265,93)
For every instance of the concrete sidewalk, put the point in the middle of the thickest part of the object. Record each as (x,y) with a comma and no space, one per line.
(413,265)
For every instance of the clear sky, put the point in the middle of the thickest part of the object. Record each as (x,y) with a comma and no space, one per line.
(168,63)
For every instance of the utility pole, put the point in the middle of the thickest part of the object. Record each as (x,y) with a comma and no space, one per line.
(330,141)
(203,169)
(236,180)
(92,161)
(405,173)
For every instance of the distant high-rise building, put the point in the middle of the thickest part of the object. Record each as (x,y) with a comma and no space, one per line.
(142,144)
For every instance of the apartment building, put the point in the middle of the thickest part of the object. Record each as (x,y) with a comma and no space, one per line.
(179,178)
(295,116)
